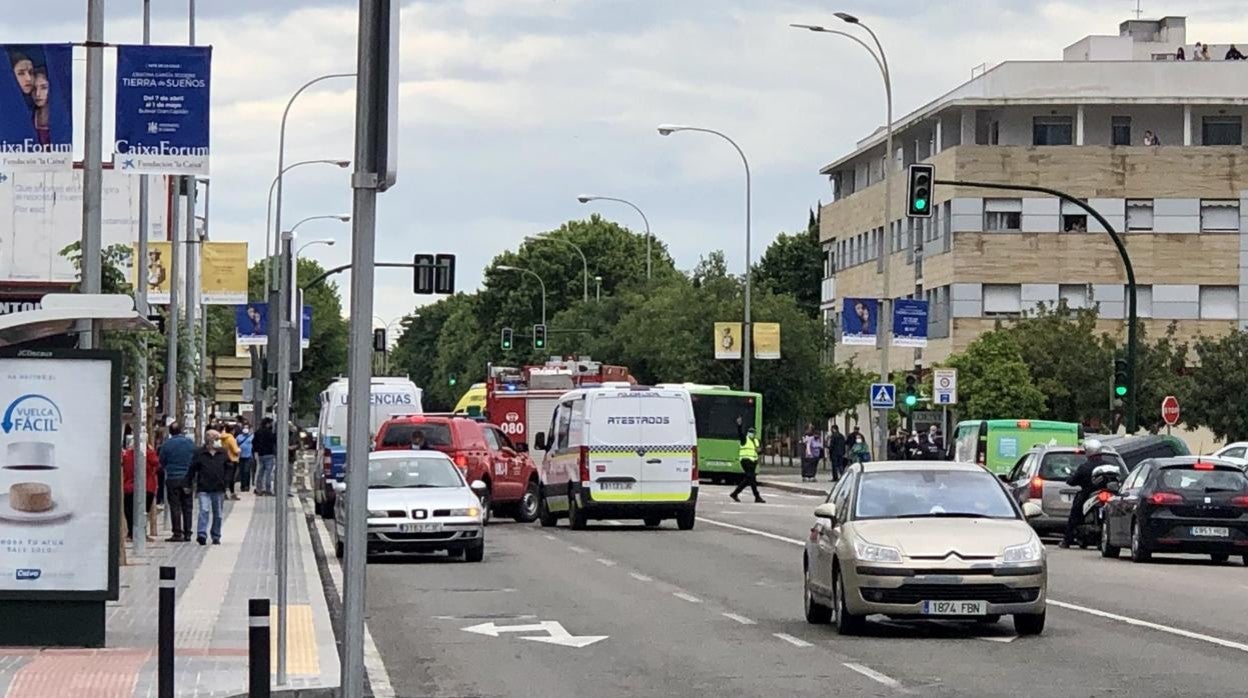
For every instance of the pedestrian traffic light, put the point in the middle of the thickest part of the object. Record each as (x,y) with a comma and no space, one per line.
(919,190)
(507,334)
(379,340)
(912,390)
(1121,386)
(451,380)
(539,336)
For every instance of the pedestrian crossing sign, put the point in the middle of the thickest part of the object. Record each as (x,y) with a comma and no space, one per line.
(883,396)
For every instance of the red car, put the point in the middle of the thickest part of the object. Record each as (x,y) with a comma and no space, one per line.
(481,450)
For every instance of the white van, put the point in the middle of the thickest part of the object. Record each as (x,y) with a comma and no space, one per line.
(620,452)
(388,396)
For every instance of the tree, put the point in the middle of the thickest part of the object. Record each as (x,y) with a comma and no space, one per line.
(1070,363)
(1161,370)
(993,380)
(1219,384)
(793,265)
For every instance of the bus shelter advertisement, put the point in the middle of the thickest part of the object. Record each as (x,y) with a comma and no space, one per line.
(56,475)
(162,109)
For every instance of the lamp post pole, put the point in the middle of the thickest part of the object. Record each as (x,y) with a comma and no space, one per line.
(584,260)
(539,281)
(586,199)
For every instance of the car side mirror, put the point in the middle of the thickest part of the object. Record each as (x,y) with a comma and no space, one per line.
(478,486)
(1031,510)
(827,511)
(1114,486)
(339,486)
(1003,477)
(540,442)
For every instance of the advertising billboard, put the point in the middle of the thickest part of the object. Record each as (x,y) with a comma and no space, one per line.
(766,340)
(162,109)
(36,108)
(860,321)
(727,340)
(223,268)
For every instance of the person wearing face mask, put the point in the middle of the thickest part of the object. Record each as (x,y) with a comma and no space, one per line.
(232,455)
(246,447)
(127,475)
(748,454)
(208,473)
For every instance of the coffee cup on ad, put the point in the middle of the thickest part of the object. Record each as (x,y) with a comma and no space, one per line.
(32,479)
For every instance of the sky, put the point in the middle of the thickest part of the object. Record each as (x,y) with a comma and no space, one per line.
(508,109)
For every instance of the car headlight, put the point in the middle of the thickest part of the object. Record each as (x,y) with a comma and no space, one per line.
(470,511)
(1031,551)
(378,514)
(870,552)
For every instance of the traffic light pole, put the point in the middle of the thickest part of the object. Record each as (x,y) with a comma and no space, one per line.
(1129,403)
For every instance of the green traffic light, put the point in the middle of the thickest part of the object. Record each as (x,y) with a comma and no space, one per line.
(1120,390)
(920,204)
(911,400)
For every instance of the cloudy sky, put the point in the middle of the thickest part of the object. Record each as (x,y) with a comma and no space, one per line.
(510,108)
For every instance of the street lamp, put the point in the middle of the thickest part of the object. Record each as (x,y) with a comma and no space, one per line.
(505,267)
(669,129)
(584,198)
(269,251)
(881,61)
(584,263)
(598,282)
(323,241)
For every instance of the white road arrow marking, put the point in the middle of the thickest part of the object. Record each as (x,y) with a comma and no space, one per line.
(556,634)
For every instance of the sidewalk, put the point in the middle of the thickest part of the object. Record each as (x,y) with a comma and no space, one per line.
(214,584)
(789,479)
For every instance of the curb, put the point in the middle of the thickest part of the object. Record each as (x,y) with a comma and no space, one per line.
(794,487)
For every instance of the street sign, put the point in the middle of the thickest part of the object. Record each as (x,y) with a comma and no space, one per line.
(945,386)
(1170,410)
(883,396)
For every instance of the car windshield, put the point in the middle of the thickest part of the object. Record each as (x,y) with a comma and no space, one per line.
(401,435)
(902,494)
(384,473)
(1060,466)
(1202,480)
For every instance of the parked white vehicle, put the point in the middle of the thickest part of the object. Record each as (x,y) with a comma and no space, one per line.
(1235,452)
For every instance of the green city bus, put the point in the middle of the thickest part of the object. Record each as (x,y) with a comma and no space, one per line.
(997,444)
(715,412)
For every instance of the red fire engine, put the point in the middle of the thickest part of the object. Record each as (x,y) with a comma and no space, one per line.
(521,401)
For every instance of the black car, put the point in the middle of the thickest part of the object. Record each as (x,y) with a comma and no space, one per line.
(1187,504)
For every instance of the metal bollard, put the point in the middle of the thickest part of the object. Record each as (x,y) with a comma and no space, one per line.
(164,641)
(258,648)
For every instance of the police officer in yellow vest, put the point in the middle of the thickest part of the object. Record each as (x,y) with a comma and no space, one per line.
(748,454)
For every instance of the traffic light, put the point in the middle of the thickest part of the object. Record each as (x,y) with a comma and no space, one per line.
(433,274)
(1121,387)
(507,334)
(912,390)
(919,190)
(379,340)
(451,380)
(539,336)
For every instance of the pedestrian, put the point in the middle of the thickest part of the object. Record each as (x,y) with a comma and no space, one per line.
(836,451)
(934,444)
(265,448)
(897,446)
(1179,55)
(176,455)
(859,452)
(232,456)
(246,454)
(127,476)
(748,454)
(1233,54)
(209,474)
(292,455)
(812,453)
(1204,52)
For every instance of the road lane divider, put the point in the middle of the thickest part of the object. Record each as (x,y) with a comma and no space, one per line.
(740,619)
(874,675)
(686,597)
(753,531)
(640,577)
(796,642)
(606,563)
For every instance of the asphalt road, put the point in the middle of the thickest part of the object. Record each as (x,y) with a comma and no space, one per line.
(717,612)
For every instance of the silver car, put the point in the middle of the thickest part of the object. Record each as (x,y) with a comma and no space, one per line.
(923,539)
(418,502)
(1040,477)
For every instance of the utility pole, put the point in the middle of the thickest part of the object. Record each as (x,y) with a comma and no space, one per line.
(92,165)
(139,515)
(283,443)
(192,272)
(172,413)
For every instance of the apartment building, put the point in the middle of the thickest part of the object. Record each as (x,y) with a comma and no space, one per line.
(1078,125)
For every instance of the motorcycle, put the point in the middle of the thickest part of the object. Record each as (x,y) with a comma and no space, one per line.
(1089,531)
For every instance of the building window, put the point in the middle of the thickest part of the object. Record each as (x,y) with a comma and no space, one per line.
(1140,214)
(1003,299)
(1075,295)
(1120,130)
(1075,222)
(1052,130)
(1219,215)
(1143,301)
(1219,302)
(1221,130)
(1003,214)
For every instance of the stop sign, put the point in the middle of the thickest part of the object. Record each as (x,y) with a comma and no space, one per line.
(1170,410)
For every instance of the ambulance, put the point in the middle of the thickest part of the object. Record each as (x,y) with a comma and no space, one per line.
(619,451)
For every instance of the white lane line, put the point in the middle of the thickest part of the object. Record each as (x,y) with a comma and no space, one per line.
(640,577)
(873,675)
(1229,644)
(605,561)
(740,619)
(686,597)
(796,642)
(754,531)
(547,536)
(575,549)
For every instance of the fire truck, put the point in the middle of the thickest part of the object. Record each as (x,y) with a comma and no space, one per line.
(521,401)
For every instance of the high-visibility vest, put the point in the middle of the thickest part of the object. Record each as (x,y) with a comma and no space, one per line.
(749,449)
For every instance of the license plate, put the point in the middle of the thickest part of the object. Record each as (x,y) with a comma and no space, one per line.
(615,485)
(955,608)
(420,527)
(1211,531)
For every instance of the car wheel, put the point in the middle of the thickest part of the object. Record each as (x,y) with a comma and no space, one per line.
(685,520)
(475,552)
(544,515)
(1107,550)
(526,510)
(652,521)
(1219,558)
(487,505)
(576,517)
(846,623)
(1139,551)
(816,613)
(1029,623)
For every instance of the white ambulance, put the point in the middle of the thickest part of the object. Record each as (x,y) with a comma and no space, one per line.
(619,451)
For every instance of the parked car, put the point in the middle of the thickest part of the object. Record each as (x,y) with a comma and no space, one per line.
(1235,452)
(1136,449)
(1040,477)
(481,451)
(418,502)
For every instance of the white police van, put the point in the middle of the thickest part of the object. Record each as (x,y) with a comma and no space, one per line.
(619,451)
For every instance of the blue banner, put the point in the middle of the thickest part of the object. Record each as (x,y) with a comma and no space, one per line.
(36,108)
(162,109)
(251,325)
(860,321)
(305,327)
(909,323)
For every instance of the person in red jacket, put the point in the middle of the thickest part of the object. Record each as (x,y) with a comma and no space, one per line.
(127,473)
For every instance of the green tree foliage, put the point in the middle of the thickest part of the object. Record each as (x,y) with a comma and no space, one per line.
(793,265)
(1161,370)
(1068,360)
(1219,385)
(993,380)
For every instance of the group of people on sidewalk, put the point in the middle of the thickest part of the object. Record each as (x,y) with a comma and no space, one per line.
(231,457)
(839,449)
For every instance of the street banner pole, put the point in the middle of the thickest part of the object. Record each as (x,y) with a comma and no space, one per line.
(92,166)
(139,515)
(283,443)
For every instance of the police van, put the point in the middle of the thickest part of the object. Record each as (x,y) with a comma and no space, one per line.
(619,451)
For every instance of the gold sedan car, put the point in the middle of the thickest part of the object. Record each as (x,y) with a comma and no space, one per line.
(923,539)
